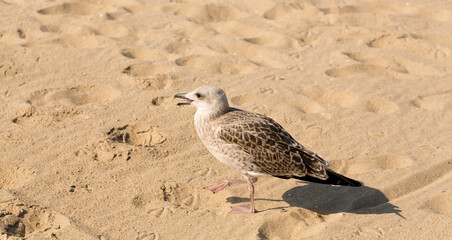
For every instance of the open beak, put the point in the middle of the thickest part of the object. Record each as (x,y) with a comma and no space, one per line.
(182,95)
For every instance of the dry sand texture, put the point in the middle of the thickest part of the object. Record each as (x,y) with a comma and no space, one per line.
(92,145)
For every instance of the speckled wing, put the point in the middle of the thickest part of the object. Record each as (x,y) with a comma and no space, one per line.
(273,150)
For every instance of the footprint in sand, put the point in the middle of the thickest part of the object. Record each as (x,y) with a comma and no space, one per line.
(91,35)
(294,224)
(352,16)
(238,29)
(350,100)
(253,54)
(257,36)
(185,196)
(395,8)
(382,66)
(386,13)
(69,29)
(217,64)
(275,40)
(83,188)
(144,69)
(67,100)
(141,200)
(293,10)
(237,55)
(140,134)
(389,161)
(184,45)
(31,117)
(72,8)
(78,29)
(246,100)
(75,42)
(202,174)
(105,151)
(288,110)
(147,236)
(435,102)
(290,107)
(413,44)
(373,65)
(372,70)
(151,76)
(26,115)
(252,102)
(161,211)
(12,35)
(205,13)
(308,106)
(146,54)
(19,220)
(121,143)
(8,69)
(74,96)
(111,30)
(162,101)
(181,195)
(398,66)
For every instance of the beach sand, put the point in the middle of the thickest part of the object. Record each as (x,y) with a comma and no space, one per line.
(93,146)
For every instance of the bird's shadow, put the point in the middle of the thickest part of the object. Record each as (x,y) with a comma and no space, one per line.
(326,199)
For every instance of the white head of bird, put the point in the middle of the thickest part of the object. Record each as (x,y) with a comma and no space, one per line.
(209,100)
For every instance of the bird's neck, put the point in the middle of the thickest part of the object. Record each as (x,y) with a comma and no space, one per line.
(203,122)
(209,115)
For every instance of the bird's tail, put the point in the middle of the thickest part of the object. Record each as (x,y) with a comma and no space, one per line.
(334,178)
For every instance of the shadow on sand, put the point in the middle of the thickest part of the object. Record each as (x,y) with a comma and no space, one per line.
(326,199)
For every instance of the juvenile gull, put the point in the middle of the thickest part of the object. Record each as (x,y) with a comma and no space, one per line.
(254,145)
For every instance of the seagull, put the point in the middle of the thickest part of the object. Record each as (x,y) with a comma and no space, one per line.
(254,145)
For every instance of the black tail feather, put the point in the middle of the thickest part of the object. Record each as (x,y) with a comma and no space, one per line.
(333,179)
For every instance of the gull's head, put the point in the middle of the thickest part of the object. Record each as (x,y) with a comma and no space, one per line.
(205,98)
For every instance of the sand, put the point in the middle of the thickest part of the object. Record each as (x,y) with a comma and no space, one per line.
(93,146)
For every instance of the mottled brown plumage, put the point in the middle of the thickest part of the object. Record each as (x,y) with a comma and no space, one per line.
(271,148)
(253,144)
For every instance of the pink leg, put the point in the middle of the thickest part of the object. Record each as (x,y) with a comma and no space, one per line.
(247,208)
(222,185)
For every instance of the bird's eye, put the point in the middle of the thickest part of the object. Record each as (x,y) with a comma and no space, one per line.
(198,95)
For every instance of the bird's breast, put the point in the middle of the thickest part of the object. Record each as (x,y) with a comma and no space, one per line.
(226,153)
